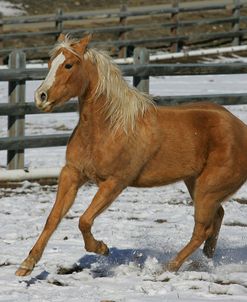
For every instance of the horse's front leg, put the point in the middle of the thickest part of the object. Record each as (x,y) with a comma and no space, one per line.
(108,191)
(69,182)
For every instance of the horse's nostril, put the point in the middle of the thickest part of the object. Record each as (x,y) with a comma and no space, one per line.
(43,96)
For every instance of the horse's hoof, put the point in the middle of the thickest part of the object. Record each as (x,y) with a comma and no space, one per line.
(172,266)
(208,251)
(21,272)
(26,267)
(107,252)
(102,249)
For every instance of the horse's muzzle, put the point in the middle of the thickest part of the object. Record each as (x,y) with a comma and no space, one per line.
(41,100)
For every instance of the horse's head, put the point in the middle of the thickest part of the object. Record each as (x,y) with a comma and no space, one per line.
(66,78)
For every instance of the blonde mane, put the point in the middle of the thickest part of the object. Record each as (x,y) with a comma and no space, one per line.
(124,104)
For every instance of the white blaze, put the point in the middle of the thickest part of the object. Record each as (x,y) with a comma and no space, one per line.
(50,78)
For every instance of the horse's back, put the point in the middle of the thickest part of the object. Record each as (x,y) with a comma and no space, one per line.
(188,137)
(210,114)
(203,106)
(212,122)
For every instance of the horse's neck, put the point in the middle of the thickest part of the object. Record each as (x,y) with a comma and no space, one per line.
(92,115)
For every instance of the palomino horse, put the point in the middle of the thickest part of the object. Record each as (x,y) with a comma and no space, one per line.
(122,140)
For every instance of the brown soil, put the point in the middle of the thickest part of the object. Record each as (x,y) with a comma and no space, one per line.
(49,7)
(34,7)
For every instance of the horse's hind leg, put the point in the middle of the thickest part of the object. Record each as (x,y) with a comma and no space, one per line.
(205,210)
(213,186)
(108,191)
(210,243)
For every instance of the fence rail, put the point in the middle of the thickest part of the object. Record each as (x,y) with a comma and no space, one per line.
(140,70)
(235,34)
(72,106)
(190,40)
(37,141)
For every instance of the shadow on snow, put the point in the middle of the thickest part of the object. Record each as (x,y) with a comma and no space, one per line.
(104,266)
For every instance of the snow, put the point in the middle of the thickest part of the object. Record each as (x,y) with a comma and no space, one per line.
(9,9)
(144,228)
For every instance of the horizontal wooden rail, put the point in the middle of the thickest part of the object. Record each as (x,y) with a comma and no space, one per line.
(193,39)
(30,108)
(72,106)
(19,35)
(222,99)
(186,38)
(28,50)
(37,141)
(54,140)
(183,69)
(23,74)
(141,70)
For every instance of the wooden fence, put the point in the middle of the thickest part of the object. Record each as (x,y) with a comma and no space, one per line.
(17,108)
(119,35)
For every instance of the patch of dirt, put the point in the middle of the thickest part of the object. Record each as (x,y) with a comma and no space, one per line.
(239,224)
(160,220)
(240,200)
(57,282)
(9,189)
(69,270)
(51,7)
(47,6)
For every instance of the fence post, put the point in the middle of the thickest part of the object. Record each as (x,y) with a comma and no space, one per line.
(16,124)
(59,22)
(236,24)
(122,53)
(141,56)
(1,32)
(174,29)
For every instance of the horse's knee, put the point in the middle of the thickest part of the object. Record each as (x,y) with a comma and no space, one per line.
(84,224)
(91,245)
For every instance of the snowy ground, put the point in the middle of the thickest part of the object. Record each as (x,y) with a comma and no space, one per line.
(144,228)
(9,9)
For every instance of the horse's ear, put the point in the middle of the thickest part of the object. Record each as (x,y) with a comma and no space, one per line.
(83,43)
(61,37)
(87,38)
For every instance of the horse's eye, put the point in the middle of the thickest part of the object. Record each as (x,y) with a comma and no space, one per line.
(68,66)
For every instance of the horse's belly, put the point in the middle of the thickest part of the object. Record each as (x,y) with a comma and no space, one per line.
(162,172)
(157,179)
